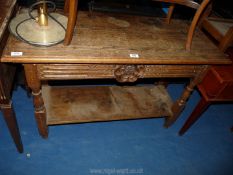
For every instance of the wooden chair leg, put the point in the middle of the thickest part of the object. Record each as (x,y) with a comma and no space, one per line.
(66,6)
(9,116)
(169,14)
(200,108)
(227,40)
(205,14)
(73,6)
(194,24)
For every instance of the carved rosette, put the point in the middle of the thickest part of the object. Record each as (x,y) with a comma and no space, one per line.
(129,73)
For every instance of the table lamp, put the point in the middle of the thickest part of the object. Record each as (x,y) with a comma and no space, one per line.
(41,26)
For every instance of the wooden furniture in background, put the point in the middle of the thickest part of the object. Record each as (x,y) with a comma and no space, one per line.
(111,46)
(217,86)
(192,4)
(7,74)
(71,6)
(70,9)
(220,29)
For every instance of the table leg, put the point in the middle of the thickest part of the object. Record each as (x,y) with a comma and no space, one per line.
(39,108)
(9,116)
(179,105)
(163,82)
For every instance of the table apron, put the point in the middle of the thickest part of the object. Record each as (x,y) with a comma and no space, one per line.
(98,71)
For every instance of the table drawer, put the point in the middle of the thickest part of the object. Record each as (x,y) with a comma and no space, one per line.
(123,73)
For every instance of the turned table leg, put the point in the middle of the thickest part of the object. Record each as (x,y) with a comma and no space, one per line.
(9,116)
(179,105)
(163,82)
(39,108)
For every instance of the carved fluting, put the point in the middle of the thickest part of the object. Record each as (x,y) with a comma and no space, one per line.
(75,71)
(95,71)
(2,93)
(129,73)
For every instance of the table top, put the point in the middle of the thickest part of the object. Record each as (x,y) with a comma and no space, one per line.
(122,39)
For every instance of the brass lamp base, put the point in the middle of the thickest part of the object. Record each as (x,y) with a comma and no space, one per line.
(28,30)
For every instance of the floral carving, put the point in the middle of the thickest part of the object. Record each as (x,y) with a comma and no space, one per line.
(129,73)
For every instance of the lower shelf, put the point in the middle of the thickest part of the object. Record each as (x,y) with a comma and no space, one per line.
(72,104)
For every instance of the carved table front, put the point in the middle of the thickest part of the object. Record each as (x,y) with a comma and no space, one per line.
(125,48)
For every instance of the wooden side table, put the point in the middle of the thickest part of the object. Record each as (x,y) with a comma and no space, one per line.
(7,73)
(112,46)
(217,86)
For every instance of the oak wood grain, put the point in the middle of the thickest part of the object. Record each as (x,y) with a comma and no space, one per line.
(101,48)
(104,103)
(111,38)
